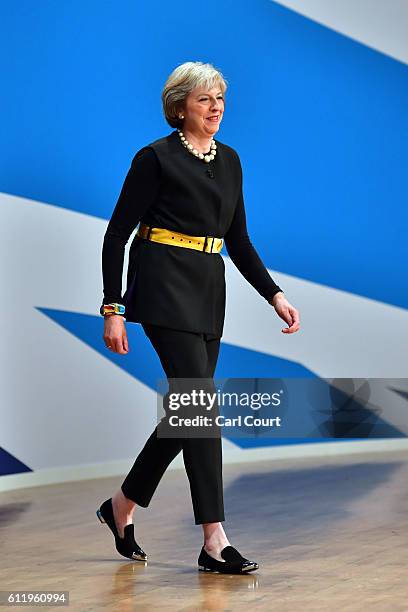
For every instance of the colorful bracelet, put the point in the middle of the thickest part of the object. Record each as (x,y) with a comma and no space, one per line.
(112,309)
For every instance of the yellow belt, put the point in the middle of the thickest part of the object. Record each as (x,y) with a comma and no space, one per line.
(208,244)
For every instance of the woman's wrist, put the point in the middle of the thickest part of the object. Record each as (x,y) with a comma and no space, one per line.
(278,295)
(112,308)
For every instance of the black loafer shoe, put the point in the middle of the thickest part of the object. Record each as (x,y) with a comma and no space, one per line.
(234,562)
(126,546)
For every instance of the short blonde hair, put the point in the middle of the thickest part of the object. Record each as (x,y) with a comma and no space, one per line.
(182,81)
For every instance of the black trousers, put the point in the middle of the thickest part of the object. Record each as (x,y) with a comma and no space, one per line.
(183,354)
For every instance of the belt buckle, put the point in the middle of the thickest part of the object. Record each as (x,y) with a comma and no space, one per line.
(212,244)
(144,231)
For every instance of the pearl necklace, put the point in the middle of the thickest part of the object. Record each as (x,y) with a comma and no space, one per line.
(191,149)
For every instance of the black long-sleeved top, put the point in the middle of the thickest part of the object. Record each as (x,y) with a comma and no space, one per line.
(160,190)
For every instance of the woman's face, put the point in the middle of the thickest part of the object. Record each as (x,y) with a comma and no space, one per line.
(200,105)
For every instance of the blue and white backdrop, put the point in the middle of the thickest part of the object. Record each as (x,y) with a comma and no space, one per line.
(317,109)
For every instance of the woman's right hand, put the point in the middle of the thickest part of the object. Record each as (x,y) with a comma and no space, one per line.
(114,334)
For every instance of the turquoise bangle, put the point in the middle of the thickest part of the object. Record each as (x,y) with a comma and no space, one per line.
(112,308)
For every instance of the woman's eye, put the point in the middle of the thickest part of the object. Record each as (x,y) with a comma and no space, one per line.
(205,99)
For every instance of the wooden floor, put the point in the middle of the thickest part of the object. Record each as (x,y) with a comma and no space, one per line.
(329,535)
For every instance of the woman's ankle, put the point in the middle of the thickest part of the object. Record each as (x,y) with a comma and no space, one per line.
(123,504)
(214,536)
(210,529)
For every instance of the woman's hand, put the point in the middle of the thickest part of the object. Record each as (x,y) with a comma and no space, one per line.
(114,334)
(287,312)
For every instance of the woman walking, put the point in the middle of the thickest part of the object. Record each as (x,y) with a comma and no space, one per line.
(185,192)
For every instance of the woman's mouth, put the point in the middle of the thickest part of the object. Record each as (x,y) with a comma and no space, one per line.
(213,118)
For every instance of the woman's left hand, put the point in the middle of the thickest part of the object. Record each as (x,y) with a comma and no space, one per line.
(287,312)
